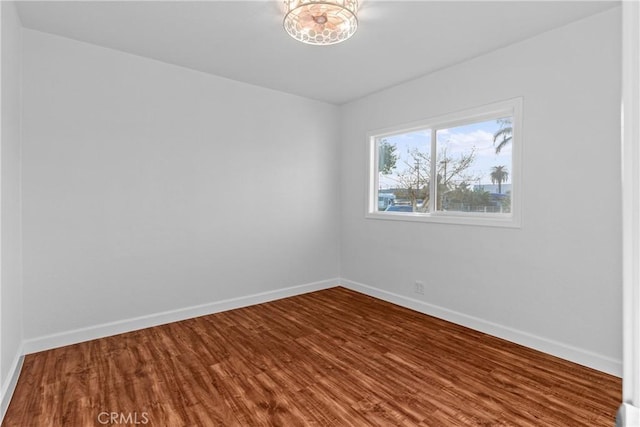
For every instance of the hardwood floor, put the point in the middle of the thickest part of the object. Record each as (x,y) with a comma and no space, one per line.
(329,358)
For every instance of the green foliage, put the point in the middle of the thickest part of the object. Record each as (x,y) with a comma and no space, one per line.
(387,157)
(506,203)
(463,198)
(504,135)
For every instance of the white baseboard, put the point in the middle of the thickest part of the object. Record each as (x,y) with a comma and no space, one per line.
(628,416)
(9,384)
(48,342)
(555,348)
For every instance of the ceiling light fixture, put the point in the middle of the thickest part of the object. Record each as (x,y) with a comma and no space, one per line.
(321,22)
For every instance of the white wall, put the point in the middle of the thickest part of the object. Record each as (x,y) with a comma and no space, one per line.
(10,240)
(629,411)
(149,187)
(557,280)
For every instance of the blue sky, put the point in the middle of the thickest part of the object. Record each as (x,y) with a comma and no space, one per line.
(456,140)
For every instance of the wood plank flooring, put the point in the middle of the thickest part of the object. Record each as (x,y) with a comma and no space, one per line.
(328,358)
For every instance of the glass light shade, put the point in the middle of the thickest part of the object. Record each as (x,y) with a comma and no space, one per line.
(321,22)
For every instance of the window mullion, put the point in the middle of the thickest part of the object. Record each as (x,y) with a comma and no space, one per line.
(433,184)
(375,161)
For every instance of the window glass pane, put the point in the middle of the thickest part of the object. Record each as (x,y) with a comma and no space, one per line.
(474,167)
(403,171)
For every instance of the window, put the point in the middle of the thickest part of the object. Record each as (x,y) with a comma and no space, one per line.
(461,168)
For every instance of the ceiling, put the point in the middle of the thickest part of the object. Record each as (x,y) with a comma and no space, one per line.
(244,40)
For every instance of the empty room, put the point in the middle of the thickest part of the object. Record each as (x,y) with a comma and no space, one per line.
(320,213)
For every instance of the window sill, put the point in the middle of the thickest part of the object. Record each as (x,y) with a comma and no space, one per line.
(483,220)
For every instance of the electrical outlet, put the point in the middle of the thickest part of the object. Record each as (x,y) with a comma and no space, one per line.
(419,287)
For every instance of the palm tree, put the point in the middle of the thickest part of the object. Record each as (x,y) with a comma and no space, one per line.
(505,134)
(499,174)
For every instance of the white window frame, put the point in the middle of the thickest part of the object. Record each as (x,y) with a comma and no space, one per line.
(512,107)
